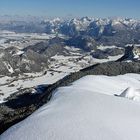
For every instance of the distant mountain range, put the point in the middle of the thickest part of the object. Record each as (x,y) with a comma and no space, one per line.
(117,31)
(84,33)
(30,73)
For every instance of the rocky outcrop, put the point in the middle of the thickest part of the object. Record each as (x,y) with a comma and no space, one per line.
(15,61)
(132,53)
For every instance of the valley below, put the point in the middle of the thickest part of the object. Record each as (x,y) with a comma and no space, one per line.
(42,57)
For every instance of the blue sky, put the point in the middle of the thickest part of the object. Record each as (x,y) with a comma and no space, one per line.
(92,8)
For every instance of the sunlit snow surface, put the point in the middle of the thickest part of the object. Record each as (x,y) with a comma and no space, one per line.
(85,110)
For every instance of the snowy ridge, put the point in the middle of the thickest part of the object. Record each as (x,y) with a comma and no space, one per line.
(85,110)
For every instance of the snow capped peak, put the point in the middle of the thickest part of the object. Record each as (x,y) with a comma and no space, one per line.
(102,21)
(56,19)
(129,22)
(115,22)
(53,21)
(87,24)
(75,21)
(86,19)
(19,52)
(80,24)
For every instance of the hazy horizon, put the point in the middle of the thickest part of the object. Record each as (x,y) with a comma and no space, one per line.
(73,8)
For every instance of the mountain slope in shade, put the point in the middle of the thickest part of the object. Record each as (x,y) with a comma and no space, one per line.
(85,110)
(132,53)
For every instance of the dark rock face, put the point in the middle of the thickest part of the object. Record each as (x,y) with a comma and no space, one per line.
(49,48)
(114,51)
(85,43)
(130,54)
(114,68)
(39,47)
(99,54)
(104,54)
(29,61)
(36,63)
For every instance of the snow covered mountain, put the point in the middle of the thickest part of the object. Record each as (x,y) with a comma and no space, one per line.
(37,57)
(112,31)
(107,31)
(85,110)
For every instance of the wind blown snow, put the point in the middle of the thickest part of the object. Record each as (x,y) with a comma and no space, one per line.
(85,110)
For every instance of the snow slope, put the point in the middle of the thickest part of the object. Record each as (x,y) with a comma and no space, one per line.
(85,110)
